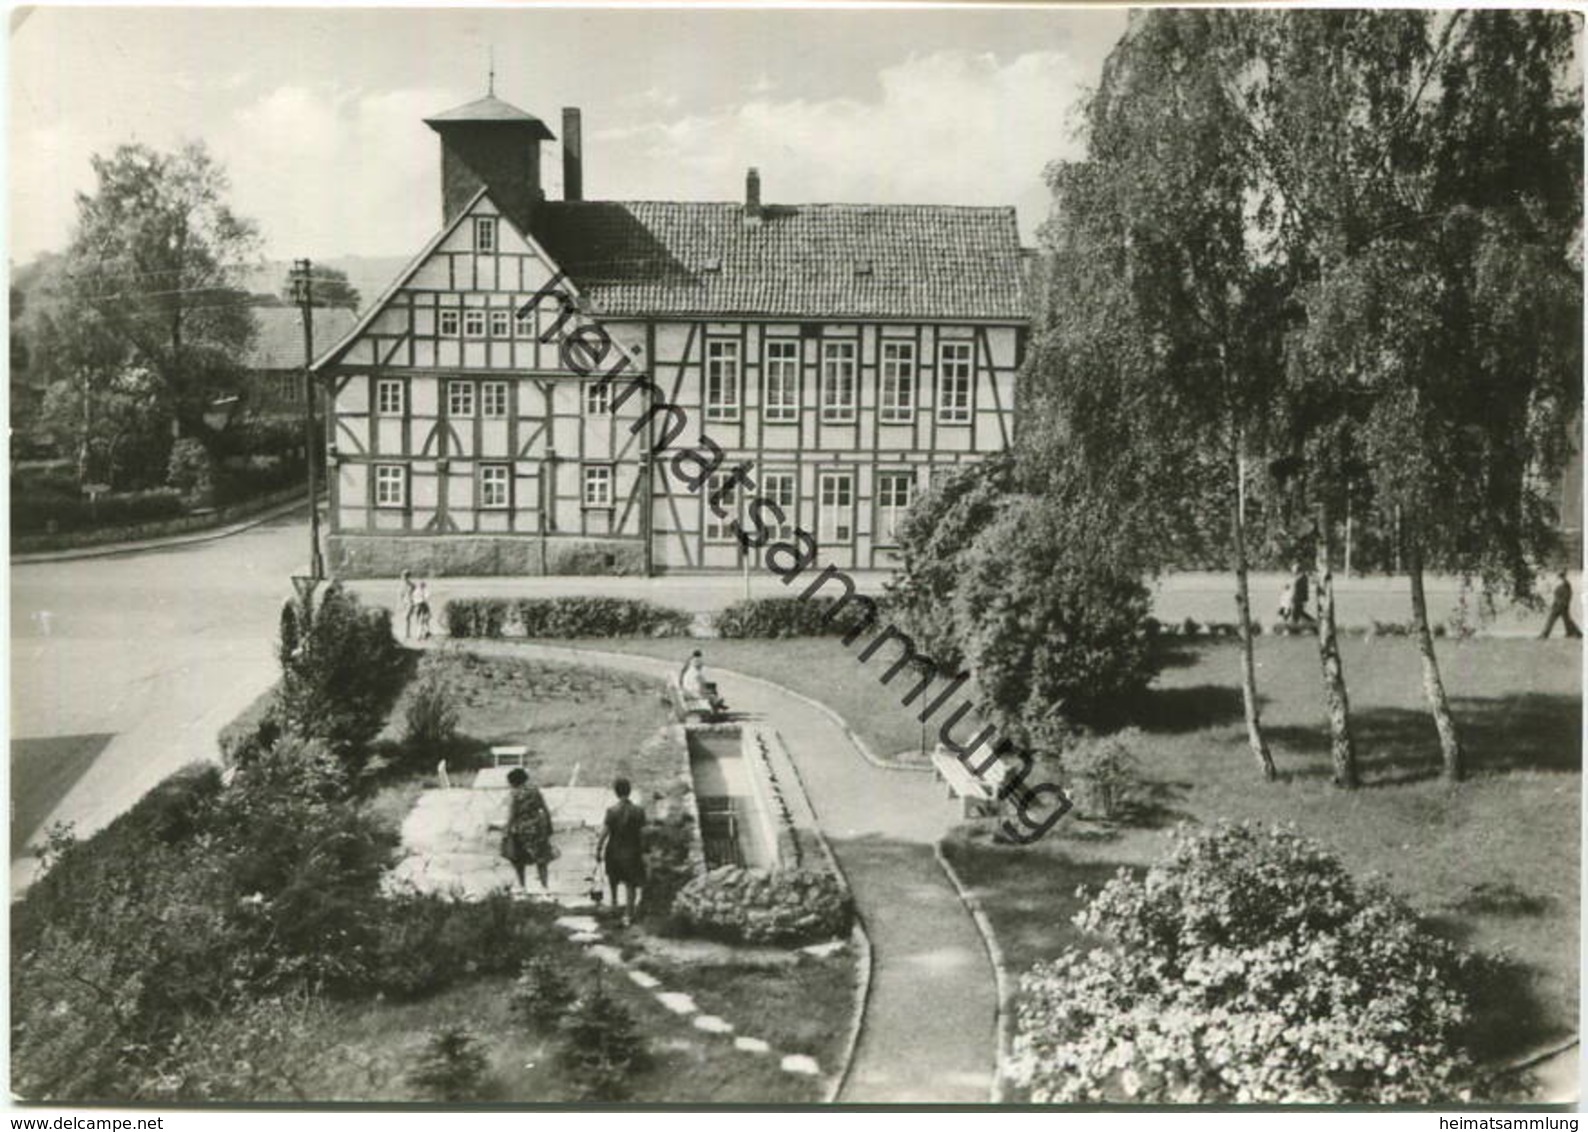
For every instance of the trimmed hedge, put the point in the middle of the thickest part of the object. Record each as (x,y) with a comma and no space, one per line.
(793,617)
(32,512)
(562,617)
(784,906)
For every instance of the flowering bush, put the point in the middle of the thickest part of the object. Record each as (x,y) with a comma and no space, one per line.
(786,906)
(1248,967)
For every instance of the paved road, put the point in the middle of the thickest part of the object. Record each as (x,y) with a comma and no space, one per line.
(929,1034)
(124,668)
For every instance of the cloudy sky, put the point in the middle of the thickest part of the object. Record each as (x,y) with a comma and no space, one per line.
(316,113)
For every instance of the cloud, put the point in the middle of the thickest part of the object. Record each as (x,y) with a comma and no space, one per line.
(328,170)
(953,127)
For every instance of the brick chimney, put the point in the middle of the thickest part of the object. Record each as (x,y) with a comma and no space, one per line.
(572,155)
(752,197)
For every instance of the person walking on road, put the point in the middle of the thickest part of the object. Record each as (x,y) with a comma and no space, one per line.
(422,609)
(1293,606)
(526,836)
(1560,609)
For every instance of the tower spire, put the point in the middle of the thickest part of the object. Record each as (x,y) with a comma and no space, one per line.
(490,79)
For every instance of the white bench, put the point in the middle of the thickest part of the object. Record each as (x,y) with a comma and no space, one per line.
(685,706)
(509,756)
(978,793)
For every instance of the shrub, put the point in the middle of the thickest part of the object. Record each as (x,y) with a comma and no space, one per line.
(788,617)
(1248,967)
(784,906)
(1104,771)
(1051,616)
(483,617)
(601,1047)
(33,511)
(430,719)
(451,1066)
(428,942)
(252,733)
(191,470)
(341,670)
(565,617)
(542,993)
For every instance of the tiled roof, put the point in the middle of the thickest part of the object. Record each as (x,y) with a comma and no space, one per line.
(801,261)
(278,343)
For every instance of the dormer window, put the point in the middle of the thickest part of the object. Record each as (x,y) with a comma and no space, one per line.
(485,233)
(863,267)
(712,264)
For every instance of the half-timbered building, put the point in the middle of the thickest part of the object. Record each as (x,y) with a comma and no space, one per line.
(848,352)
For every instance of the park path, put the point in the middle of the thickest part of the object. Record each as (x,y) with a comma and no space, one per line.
(929,1033)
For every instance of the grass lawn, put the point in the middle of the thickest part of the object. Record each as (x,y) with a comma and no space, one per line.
(362,1052)
(566,715)
(42,772)
(1493,862)
(819,667)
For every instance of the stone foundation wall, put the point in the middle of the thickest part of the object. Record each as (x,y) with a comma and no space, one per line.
(453,556)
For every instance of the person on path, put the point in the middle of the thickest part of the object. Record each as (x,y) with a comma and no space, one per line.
(1560,608)
(422,609)
(622,846)
(695,685)
(407,600)
(526,837)
(1294,606)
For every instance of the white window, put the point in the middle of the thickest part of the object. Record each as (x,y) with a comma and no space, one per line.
(460,398)
(722,381)
(778,487)
(484,234)
(449,324)
(598,398)
(898,382)
(955,370)
(835,510)
(389,397)
(838,381)
(524,321)
(895,493)
(718,529)
(474,323)
(493,398)
(494,486)
(781,401)
(501,323)
(391,485)
(598,485)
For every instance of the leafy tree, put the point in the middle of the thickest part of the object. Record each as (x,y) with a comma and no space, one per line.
(1154,367)
(330,288)
(1426,237)
(152,275)
(940,527)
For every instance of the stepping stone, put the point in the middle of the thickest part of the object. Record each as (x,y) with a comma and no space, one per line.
(751,1045)
(823,950)
(586,937)
(641,979)
(611,956)
(577,923)
(712,1024)
(801,1063)
(676,1002)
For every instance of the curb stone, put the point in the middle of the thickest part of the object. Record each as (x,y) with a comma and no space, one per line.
(1003,1022)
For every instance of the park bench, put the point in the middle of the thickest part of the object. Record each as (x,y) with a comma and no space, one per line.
(686,707)
(978,793)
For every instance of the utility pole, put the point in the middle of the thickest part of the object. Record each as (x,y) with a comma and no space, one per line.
(303,291)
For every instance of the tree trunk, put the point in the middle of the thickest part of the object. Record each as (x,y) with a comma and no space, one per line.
(1342,751)
(1243,610)
(1433,686)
